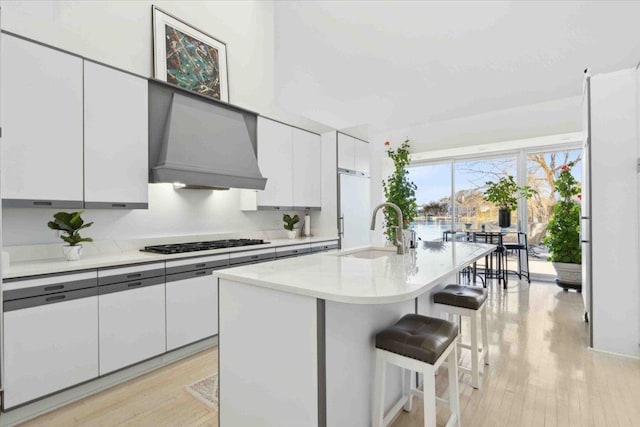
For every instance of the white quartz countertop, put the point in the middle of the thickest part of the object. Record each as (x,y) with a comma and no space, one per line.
(60,265)
(361,276)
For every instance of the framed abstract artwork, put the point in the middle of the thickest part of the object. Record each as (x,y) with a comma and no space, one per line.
(188,58)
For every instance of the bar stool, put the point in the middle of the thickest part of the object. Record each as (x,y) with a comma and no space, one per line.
(497,257)
(456,300)
(417,344)
(519,247)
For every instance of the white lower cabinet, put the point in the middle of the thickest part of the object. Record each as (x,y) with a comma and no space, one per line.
(132,323)
(192,307)
(50,340)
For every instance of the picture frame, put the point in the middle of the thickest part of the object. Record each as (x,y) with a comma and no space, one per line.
(188,57)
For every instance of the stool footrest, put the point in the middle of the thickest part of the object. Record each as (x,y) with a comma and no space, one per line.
(394,411)
(481,350)
(442,401)
(453,420)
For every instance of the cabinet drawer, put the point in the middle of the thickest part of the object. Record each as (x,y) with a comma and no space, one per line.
(324,246)
(127,286)
(192,309)
(54,286)
(251,256)
(288,251)
(190,264)
(188,275)
(107,276)
(49,348)
(23,303)
(132,326)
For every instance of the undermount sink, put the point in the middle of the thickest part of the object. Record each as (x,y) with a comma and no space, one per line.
(370,252)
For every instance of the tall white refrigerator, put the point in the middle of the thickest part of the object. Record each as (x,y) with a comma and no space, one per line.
(355,210)
(585,211)
(611,206)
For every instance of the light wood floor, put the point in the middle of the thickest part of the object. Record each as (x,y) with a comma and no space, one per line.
(542,374)
(156,399)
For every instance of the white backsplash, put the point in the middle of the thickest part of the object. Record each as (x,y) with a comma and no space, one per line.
(180,215)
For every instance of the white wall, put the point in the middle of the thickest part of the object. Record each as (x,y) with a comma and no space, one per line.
(170,213)
(119,33)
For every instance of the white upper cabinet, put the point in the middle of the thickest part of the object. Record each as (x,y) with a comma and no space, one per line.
(306,169)
(116,139)
(346,152)
(362,157)
(353,155)
(41,107)
(290,160)
(274,160)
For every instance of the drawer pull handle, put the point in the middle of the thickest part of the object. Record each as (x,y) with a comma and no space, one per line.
(53,288)
(134,284)
(42,203)
(133,275)
(295,251)
(200,273)
(55,298)
(118,205)
(255,256)
(200,265)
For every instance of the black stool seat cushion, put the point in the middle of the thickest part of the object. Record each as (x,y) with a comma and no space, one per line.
(461,296)
(418,337)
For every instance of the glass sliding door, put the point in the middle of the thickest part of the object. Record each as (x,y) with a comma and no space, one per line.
(542,169)
(433,196)
(471,177)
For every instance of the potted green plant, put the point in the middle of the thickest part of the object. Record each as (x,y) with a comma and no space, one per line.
(289,223)
(505,194)
(563,229)
(70,223)
(399,190)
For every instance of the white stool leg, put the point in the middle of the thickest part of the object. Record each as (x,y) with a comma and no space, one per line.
(429,397)
(407,382)
(475,375)
(485,334)
(377,417)
(454,394)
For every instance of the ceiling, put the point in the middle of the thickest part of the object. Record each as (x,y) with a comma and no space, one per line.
(389,65)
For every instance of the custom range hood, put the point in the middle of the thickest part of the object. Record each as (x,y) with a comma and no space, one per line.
(196,142)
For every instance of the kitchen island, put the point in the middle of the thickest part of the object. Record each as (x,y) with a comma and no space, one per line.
(296,335)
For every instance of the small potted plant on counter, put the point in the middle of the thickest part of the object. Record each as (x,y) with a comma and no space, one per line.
(504,194)
(289,223)
(70,224)
(563,231)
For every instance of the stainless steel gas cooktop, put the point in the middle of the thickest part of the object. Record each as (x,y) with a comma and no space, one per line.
(177,248)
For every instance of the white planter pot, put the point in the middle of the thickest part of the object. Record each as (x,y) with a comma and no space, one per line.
(72,253)
(292,234)
(568,273)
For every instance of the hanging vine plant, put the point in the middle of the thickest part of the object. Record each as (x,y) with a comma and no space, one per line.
(398,189)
